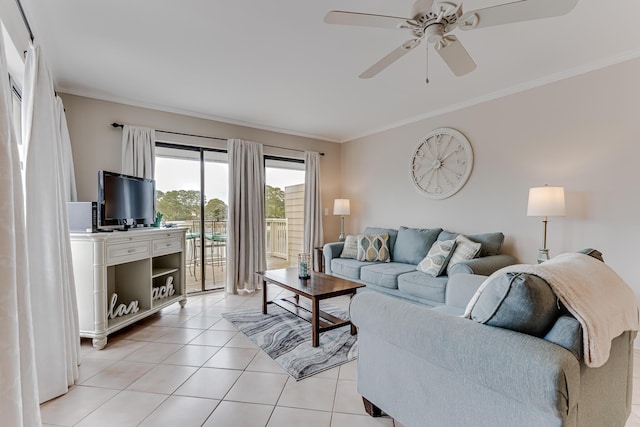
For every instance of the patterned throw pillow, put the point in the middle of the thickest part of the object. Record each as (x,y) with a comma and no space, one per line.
(350,248)
(373,247)
(465,250)
(435,263)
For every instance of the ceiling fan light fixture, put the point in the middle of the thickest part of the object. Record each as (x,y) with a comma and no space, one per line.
(435,20)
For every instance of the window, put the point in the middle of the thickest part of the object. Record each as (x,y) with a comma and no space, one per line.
(15,64)
(191,191)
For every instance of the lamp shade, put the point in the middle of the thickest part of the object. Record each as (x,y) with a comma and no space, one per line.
(546,201)
(341,207)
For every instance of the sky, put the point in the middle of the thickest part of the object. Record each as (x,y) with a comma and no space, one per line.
(183,174)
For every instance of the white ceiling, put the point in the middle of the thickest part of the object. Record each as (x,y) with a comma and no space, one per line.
(275,65)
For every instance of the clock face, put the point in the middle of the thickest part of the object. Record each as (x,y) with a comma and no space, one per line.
(441,163)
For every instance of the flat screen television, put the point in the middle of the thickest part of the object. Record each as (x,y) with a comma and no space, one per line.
(125,200)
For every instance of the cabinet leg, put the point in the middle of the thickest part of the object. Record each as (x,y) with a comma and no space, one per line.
(99,343)
(370,408)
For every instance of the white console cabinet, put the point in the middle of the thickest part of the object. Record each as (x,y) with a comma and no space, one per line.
(137,265)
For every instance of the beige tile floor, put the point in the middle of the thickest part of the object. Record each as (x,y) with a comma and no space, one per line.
(190,367)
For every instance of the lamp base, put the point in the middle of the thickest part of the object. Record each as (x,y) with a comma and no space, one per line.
(341,237)
(543,255)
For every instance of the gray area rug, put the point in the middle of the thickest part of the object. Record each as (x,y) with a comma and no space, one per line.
(287,339)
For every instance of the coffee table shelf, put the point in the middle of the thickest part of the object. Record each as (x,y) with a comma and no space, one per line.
(326,321)
(319,286)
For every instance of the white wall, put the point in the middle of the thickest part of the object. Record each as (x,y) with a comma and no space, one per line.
(582,133)
(96,145)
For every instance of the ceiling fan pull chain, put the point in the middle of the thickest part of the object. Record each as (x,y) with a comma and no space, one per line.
(426,71)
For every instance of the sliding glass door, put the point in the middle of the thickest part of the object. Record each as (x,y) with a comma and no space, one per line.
(192,185)
(191,191)
(284,205)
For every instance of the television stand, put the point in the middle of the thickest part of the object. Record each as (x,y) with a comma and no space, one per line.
(123,278)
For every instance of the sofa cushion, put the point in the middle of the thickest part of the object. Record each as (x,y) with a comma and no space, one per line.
(346,267)
(491,242)
(413,244)
(392,232)
(423,286)
(374,247)
(435,263)
(350,248)
(567,333)
(464,251)
(385,274)
(517,301)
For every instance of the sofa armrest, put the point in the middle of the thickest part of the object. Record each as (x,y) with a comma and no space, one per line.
(483,266)
(330,251)
(519,366)
(461,288)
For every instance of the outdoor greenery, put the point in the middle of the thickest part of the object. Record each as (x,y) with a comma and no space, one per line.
(274,201)
(178,205)
(216,209)
(184,205)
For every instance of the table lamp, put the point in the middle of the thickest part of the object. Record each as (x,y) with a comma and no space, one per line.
(545,202)
(341,207)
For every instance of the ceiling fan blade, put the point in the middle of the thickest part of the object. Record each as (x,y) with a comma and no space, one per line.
(364,19)
(390,58)
(455,55)
(524,10)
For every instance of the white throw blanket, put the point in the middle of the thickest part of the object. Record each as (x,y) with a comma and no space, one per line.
(593,293)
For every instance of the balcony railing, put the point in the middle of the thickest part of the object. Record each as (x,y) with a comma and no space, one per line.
(277,241)
(277,237)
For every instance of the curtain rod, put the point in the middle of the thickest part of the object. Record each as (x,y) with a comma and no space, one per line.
(24,19)
(120,125)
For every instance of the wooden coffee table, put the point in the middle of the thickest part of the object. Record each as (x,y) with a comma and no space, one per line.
(318,287)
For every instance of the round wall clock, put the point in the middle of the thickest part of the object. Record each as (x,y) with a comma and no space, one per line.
(441,163)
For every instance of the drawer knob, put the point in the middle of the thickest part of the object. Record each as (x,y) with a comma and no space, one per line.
(168,244)
(131,250)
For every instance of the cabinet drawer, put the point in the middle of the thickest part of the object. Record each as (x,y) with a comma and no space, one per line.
(167,245)
(126,252)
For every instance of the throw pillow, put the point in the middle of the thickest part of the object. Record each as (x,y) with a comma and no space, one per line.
(373,247)
(392,232)
(465,250)
(518,301)
(491,242)
(435,263)
(592,252)
(413,244)
(350,248)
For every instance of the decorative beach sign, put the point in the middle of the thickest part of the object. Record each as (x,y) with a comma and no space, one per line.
(163,291)
(122,309)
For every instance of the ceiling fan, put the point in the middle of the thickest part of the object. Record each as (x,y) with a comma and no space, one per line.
(435,20)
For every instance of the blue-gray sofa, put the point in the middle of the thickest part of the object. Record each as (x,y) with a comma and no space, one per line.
(427,368)
(407,247)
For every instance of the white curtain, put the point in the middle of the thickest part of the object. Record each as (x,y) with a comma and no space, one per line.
(53,297)
(71,194)
(312,203)
(246,249)
(19,396)
(138,151)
